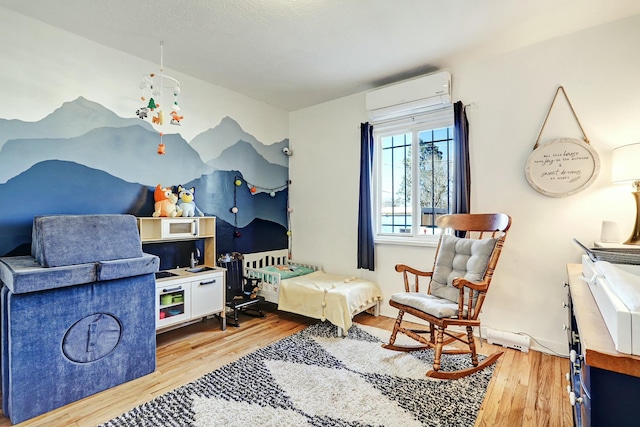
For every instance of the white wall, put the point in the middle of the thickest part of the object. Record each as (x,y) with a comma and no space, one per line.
(510,96)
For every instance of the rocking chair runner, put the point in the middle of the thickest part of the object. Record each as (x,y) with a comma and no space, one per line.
(457,287)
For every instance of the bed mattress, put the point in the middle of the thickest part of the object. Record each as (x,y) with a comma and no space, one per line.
(327,296)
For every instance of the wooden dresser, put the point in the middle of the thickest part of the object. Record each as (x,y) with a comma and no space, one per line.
(604,384)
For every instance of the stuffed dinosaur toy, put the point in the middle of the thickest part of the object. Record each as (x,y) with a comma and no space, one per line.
(165,202)
(186,201)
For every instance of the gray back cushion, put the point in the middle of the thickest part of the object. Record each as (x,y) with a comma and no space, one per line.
(458,257)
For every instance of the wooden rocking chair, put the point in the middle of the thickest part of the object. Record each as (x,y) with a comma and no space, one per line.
(456,290)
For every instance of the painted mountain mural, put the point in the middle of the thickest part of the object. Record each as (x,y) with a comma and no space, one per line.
(126,152)
(211,143)
(255,170)
(73,118)
(103,163)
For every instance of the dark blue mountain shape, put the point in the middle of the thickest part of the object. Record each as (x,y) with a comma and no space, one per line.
(211,143)
(215,194)
(258,236)
(256,170)
(59,187)
(73,118)
(55,187)
(129,153)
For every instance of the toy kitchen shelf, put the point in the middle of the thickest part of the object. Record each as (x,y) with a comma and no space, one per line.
(184,295)
(158,230)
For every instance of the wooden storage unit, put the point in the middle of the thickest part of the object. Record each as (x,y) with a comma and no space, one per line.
(186,296)
(157,230)
(604,383)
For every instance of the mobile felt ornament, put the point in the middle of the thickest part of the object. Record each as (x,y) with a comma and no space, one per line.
(564,166)
(153,85)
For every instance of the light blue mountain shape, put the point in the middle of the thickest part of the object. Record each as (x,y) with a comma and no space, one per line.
(127,153)
(212,142)
(87,133)
(73,118)
(243,157)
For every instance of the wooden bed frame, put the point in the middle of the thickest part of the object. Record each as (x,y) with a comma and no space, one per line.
(269,281)
(255,263)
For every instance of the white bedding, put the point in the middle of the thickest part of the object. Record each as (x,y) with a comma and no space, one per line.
(326,296)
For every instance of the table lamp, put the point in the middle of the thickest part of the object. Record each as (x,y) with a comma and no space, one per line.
(625,167)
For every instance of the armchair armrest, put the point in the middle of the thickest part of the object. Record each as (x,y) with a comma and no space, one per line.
(402,268)
(460,283)
(406,270)
(479,289)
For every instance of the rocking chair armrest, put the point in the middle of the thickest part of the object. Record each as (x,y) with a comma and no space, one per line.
(460,282)
(400,268)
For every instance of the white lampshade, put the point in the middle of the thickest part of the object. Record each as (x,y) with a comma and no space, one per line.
(625,163)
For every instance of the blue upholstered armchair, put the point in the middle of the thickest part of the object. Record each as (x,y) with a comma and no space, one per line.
(77,314)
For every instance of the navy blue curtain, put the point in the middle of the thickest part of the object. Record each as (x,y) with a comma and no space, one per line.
(462,170)
(365,226)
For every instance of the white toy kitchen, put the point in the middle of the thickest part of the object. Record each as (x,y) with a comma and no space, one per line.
(188,294)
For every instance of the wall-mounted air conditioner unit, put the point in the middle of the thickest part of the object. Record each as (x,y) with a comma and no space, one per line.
(412,96)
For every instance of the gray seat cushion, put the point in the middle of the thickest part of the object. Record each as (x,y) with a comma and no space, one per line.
(437,307)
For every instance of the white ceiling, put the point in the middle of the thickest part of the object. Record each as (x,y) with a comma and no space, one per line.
(297,53)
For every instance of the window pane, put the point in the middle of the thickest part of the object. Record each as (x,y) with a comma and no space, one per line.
(435,176)
(414,174)
(441,134)
(395,192)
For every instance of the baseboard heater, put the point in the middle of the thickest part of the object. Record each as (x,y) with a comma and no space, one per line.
(509,340)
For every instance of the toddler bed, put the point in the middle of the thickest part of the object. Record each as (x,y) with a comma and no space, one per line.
(307,290)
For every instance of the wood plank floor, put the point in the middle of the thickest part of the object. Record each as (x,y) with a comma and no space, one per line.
(527,389)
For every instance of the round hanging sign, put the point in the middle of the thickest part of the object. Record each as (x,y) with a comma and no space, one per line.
(562,167)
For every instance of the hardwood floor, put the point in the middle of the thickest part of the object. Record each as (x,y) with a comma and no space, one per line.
(527,389)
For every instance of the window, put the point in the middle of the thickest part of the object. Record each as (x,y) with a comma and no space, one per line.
(408,152)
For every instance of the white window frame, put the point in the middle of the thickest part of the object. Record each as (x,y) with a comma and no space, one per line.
(432,120)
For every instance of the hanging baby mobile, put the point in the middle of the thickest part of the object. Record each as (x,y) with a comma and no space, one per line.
(153,87)
(238,181)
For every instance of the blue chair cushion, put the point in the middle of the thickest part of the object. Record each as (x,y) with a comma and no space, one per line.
(59,240)
(115,269)
(23,274)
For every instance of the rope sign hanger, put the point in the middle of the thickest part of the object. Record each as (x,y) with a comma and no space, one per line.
(562,166)
(560,88)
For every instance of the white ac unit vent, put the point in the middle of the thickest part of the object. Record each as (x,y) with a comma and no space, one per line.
(410,97)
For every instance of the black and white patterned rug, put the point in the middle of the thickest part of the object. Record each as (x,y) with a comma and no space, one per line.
(313,378)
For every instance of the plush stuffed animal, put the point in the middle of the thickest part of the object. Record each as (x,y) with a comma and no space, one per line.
(186,201)
(165,202)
